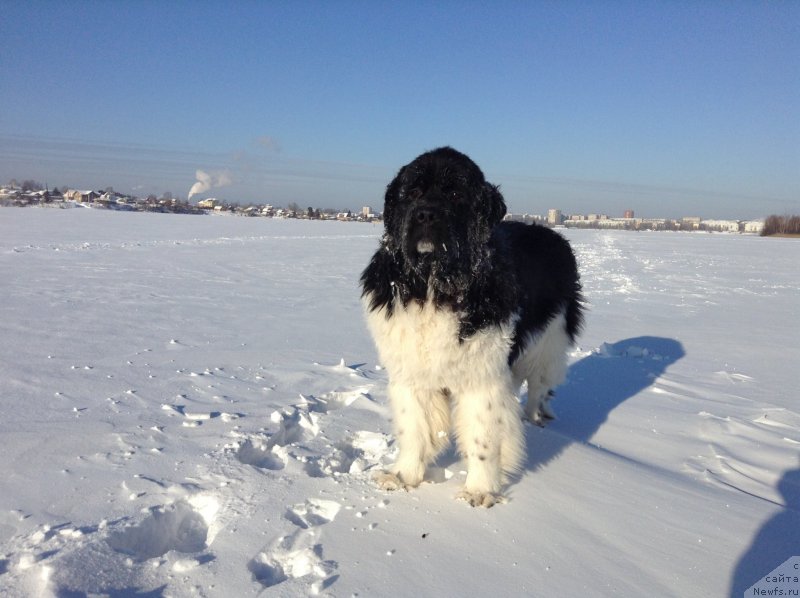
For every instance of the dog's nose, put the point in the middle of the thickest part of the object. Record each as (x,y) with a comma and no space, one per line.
(425,216)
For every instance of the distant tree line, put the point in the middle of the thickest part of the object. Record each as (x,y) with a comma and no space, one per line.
(781,225)
(26,185)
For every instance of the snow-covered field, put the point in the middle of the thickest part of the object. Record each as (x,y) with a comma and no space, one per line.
(192,406)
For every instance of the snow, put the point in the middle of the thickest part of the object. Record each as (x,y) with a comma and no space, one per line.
(191,406)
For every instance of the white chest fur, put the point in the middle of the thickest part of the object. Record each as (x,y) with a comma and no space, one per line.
(419,346)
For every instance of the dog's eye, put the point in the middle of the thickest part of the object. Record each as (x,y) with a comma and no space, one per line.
(454,195)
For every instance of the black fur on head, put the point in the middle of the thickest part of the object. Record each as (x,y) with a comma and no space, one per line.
(439,213)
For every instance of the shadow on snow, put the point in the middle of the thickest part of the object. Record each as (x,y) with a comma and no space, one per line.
(777,541)
(599,383)
(596,385)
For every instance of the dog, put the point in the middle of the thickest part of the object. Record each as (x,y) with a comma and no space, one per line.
(463,307)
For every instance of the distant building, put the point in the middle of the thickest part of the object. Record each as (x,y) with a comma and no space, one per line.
(728,226)
(208,204)
(754,226)
(367,214)
(81,196)
(526,218)
(653,224)
(554,217)
(691,222)
(615,223)
(628,214)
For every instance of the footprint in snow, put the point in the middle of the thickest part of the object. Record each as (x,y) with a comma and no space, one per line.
(262,455)
(313,512)
(181,527)
(272,453)
(360,452)
(294,556)
(299,554)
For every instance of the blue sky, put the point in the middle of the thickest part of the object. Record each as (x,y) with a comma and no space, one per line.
(668,108)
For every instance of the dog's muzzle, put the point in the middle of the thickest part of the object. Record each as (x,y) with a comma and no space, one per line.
(425,219)
(425,247)
(425,229)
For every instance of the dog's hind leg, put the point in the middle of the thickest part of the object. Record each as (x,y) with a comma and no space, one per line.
(544,365)
(421,425)
(538,409)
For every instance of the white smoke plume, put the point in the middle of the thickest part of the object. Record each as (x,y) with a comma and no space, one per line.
(210,180)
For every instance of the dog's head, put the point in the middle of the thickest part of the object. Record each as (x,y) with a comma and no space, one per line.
(439,213)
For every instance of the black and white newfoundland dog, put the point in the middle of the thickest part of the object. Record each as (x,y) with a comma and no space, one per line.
(463,308)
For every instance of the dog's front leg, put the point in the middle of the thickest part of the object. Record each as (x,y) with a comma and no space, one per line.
(421,423)
(490,437)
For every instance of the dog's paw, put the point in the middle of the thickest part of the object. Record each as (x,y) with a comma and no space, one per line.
(480,499)
(537,419)
(539,412)
(545,409)
(387,480)
(541,416)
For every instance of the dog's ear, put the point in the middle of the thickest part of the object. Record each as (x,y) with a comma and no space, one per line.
(392,221)
(494,202)
(392,196)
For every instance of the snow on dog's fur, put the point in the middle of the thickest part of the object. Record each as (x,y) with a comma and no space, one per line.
(463,308)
